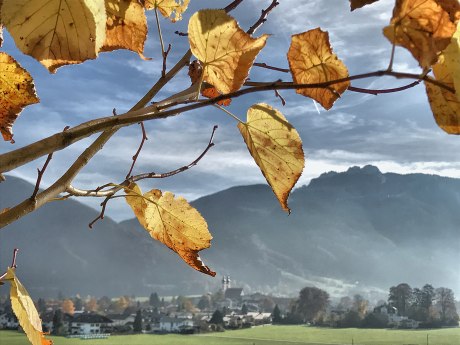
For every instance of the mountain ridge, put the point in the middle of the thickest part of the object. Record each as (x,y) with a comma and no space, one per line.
(337,220)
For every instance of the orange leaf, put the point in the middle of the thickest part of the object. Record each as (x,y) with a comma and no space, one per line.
(173,222)
(211,92)
(312,61)
(354,4)
(126,26)
(452,7)
(421,26)
(17,90)
(171,9)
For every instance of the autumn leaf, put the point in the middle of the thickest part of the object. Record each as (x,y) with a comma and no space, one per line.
(354,4)
(173,222)
(452,60)
(171,9)
(25,311)
(56,32)
(224,49)
(276,147)
(311,60)
(195,71)
(421,26)
(452,7)
(17,90)
(126,26)
(211,92)
(444,104)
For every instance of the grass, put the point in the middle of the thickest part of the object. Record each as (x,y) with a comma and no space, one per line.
(268,335)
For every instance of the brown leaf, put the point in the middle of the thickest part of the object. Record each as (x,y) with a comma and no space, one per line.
(444,104)
(195,71)
(56,32)
(17,91)
(24,309)
(126,26)
(354,4)
(173,222)
(211,92)
(421,26)
(311,60)
(276,148)
(226,52)
(452,7)
(171,9)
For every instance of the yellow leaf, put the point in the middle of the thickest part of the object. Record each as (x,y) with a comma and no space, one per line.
(126,26)
(311,60)
(354,4)
(173,222)
(444,104)
(56,32)
(224,49)
(452,60)
(276,147)
(17,90)
(24,309)
(421,26)
(171,9)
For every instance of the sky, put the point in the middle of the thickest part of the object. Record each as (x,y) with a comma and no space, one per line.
(395,132)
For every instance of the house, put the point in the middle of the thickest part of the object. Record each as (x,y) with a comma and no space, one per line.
(90,323)
(175,325)
(394,319)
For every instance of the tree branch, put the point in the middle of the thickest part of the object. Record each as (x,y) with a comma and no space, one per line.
(13,263)
(13,159)
(263,17)
(40,174)
(144,138)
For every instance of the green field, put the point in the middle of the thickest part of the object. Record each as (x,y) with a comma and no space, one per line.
(268,335)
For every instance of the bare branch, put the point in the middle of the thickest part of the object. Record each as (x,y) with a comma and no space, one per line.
(144,138)
(234,4)
(40,175)
(13,264)
(283,101)
(264,65)
(263,17)
(101,215)
(180,33)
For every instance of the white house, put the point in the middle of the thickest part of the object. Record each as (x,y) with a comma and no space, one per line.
(90,323)
(8,320)
(173,325)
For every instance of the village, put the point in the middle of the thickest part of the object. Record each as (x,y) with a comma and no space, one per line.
(229,308)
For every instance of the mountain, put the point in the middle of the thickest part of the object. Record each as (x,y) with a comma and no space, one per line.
(357,231)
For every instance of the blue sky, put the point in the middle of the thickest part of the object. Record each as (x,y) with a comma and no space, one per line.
(396,132)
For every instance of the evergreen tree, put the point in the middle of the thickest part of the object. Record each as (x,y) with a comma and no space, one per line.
(276,315)
(244,309)
(41,305)
(137,326)
(58,324)
(154,300)
(217,318)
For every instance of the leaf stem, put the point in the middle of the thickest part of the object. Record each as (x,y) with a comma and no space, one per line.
(228,112)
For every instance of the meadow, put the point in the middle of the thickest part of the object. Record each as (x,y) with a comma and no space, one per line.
(269,335)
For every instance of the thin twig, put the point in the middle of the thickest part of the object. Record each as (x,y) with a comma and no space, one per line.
(234,4)
(263,17)
(180,33)
(13,261)
(264,65)
(144,138)
(165,56)
(40,175)
(101,215)
(145,176)
(283,101)
(13,264)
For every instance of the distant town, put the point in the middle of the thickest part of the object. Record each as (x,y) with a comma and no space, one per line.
(230,308)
